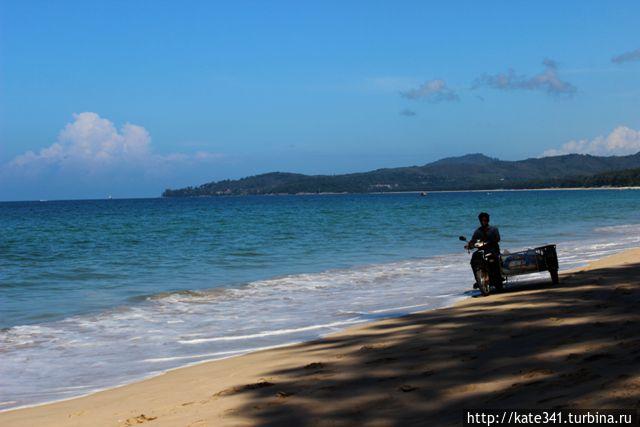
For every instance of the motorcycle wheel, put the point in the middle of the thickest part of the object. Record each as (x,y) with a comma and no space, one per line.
(482,279)
(496,281)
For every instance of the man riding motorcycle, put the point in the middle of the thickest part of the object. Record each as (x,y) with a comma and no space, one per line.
(490,237)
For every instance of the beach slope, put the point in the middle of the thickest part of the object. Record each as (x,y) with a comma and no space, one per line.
(535,346)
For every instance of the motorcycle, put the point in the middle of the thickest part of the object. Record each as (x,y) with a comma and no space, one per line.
(491,270)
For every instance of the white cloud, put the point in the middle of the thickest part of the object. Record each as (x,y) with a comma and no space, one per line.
(407,113)
(92,158)
(92,143)
(433,91)
(547,81)
(621,141)
(633,55)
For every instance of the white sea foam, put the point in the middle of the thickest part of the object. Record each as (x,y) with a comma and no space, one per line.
(86,353)
(272,333)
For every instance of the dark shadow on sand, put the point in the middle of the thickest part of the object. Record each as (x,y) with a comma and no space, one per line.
(438,362)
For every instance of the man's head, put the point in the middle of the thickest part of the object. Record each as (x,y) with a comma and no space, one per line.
(484,219)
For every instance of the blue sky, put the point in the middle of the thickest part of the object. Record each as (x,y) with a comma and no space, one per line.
(130,97)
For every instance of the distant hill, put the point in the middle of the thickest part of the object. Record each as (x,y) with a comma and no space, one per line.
(618,178)
(469,172)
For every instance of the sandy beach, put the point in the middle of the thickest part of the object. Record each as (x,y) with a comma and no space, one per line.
(575,345)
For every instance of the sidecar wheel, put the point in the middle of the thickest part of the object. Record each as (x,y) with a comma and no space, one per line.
(482,279)
(554,277)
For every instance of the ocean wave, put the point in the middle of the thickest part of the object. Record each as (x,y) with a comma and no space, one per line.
(621,228)
(272,333)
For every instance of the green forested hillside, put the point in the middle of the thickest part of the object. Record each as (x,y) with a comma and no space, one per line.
(469,172)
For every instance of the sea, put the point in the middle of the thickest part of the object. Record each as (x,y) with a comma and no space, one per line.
(99,293)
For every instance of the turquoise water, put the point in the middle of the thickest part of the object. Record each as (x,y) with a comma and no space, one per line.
(177,281)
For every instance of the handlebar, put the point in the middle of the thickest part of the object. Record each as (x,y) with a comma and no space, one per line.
(477,245)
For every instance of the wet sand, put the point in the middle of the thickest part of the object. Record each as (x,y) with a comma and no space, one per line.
(574,345)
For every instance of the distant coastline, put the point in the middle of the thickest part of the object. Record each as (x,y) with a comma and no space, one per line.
(472,172)
(488,190)
(534,189)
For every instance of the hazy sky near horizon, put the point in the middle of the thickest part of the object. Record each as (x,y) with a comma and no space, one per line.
(130,97)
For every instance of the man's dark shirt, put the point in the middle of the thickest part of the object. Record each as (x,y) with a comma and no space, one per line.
(489,235)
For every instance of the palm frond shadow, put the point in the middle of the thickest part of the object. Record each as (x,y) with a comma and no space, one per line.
(538,346)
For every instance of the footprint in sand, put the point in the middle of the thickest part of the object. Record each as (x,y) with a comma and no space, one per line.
(142,418)
(373,347)
(536,372)
(623,290)
(259,384)
(314,366)
(580,376)
(254,386)
(283,394)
